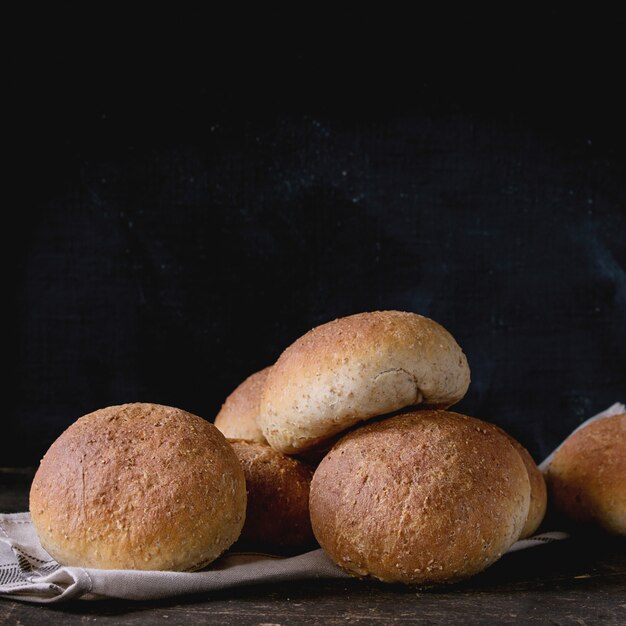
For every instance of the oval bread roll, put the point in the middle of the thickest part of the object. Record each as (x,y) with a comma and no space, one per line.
(278,497)
(139,486)
(587,475)
(420,498)
(355,368)
(237,418)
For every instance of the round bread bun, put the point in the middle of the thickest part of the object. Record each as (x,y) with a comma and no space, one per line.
(420,498)
(237,418)
(139,486)
(538,490)
(278,498)
(587,475)
(356,368)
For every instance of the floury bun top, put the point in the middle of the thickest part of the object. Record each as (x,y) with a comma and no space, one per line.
(356,368)
(139,486)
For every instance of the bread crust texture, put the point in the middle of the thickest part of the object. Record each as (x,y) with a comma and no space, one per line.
(356,368)
(139,486)
(422,498)
(278,498)
(237,418)
(538,489)
(587,475)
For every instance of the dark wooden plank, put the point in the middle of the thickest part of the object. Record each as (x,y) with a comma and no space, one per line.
(581,581)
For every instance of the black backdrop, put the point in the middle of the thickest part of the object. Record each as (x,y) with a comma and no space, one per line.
(168,242)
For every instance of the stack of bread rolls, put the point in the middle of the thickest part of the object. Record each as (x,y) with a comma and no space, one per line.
(408,492)
(346,439)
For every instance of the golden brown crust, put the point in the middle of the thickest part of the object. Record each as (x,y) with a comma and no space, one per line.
(538,490)
(278,497)
(587,476)
(138,486)
(237,418)
(356,368)
(420,498)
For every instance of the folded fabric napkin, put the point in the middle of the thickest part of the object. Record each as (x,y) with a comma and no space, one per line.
(27,572)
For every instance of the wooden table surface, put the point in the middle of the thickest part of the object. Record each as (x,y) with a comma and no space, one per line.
(570,582)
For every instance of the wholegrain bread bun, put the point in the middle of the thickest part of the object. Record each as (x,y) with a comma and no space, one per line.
(278,498)
(237,418)
(356,368)
(587,476)
(139,486)
(538,490)
(420,498)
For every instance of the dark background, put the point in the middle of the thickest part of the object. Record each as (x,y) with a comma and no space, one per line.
(169,237)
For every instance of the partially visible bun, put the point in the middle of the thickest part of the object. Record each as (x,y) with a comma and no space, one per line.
(587,475)
(237,418)
(420,498)
(278,498)
(139,486)
(538,491)
(356,368)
